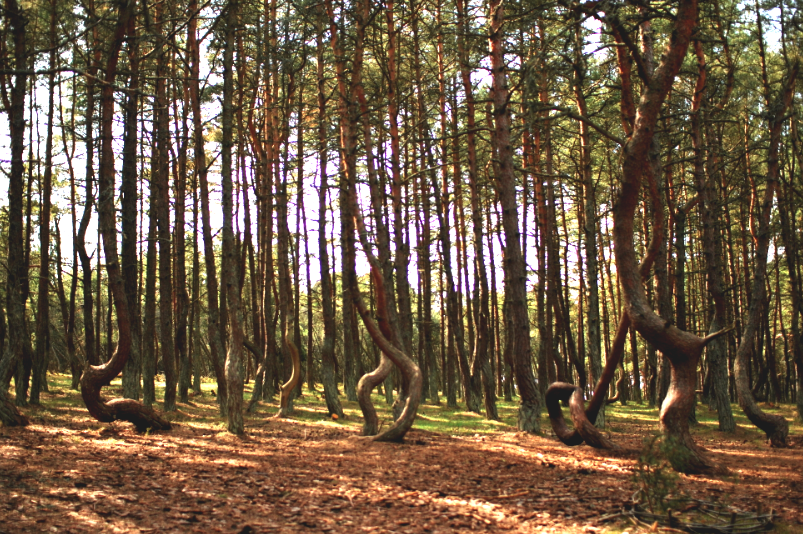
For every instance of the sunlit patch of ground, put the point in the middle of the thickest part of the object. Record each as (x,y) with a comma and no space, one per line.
(456,472)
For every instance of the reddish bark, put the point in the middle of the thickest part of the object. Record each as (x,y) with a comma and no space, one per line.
(96,377)
(682,348)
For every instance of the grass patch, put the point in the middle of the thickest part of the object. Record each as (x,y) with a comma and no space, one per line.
(201,411)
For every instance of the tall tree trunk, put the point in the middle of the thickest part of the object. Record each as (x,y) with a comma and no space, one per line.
(229,263)
(681,348)
(214,326)
(287,313)
(453,309)
(348,155)
(15,304)
(426,353)
(181,296)
(149,323)
(328,377)
(775,426)
(195,304)
(593,341)
(128,189)
(86,264)
(161,177)
(792,259)
(43,302)
(96,377)
(717,349)
(76,365)
(515,269)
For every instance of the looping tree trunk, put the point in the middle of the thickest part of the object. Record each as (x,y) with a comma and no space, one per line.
(584,429)
(411,373)
(408,368)
(371,380)
(143,417)
(618,386)
(584,419)
(365,386)
(561,391)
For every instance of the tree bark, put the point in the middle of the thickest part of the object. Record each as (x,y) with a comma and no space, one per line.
(775,426)
(42,348)
(327,304)
(531,401)
(15,304)
(592,342)
(229,263)
(411,373)
(128,190)
(214,326)
(681,348)
(717,349)
(95,377)
(161,177)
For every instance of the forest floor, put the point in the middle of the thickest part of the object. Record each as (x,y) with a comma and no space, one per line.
(456,472)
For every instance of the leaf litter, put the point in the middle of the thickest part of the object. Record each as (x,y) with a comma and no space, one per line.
(69,474)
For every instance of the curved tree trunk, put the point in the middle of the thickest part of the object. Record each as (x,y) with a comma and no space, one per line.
(95,377)
(775,426)
(683,349)
(584,419)
(371,380)
(411,373)
(286,308)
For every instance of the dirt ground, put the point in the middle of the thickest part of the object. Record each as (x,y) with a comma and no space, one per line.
(66,475)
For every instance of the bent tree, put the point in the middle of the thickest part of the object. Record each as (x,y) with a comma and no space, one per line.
(682,349)
(411,373)
(95,377)
(775,426)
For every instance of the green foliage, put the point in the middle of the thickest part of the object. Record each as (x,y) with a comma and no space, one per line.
(655,473)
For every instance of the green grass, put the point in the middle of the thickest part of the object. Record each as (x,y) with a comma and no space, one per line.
(202,411)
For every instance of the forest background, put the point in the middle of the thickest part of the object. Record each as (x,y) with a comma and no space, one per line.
(481,154)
